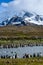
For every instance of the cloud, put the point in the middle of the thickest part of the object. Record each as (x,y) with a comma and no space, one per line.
(4,4)
(16,6)
(16,2)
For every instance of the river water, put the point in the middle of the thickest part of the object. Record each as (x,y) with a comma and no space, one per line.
(21,51)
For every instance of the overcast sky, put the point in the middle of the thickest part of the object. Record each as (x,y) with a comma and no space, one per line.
(10,7)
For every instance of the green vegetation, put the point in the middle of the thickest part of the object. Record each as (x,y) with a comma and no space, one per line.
(21,34)
(21,41)
(30,61)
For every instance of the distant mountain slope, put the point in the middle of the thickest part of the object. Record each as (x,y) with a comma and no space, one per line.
(21,31)
(24,19)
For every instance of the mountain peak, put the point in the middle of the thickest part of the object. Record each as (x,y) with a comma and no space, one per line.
(23,18)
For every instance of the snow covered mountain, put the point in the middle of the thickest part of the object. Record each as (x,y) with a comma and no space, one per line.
(24,19)
(33,18)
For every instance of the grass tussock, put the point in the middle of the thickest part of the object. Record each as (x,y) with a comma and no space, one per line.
(31,61)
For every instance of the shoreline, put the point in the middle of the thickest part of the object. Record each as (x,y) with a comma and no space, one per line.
(19,45)
(15,43)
